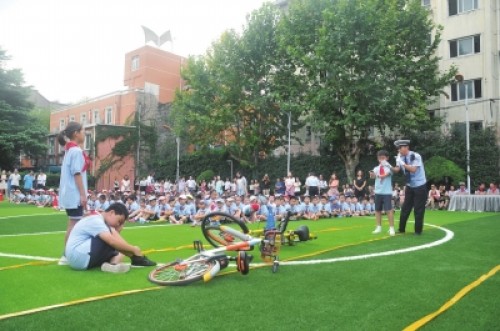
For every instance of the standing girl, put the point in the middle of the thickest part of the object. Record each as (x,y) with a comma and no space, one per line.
(73,183)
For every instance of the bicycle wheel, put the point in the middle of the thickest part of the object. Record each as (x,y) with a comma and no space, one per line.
(221,229)
(182,272)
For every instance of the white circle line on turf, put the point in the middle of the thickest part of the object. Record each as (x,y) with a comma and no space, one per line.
(448,236)
(58,232)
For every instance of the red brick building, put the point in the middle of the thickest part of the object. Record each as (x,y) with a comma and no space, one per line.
(151,77)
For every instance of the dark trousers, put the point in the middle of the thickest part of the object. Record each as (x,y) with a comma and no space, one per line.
(415,198)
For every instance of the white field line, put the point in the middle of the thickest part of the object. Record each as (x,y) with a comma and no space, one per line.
(59,232)
(28,257)
(30,215)
(449,235)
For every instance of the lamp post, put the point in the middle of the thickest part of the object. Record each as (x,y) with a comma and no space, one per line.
(178,141)
(231,164)
(460,79)
(289,142)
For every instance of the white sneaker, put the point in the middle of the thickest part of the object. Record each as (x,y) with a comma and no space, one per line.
(377,230)
(115,268)
(63,261)
(392,232)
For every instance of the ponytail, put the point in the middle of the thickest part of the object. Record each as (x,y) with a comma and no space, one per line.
(65,135)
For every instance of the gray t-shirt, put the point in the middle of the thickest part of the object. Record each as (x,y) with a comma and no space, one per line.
(80,239)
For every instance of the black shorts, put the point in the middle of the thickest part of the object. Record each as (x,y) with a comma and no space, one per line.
(383,202)
(75,214)
(100,252)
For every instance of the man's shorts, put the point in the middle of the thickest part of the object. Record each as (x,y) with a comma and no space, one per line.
(383,202)
(100,252)
(75,214)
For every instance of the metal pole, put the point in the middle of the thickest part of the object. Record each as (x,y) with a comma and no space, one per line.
(178,141)
(467,138)
(231,164)
(289,142)
(138,143)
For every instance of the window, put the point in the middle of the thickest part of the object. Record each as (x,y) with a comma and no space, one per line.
(474,126)
(474,90)
(460,6)
(426,3)
(151,88)
(83,118)
(72,118)
(62,124)
(97,119)
(109,115)
(135,63)
(52,147)
(88,141)
(465,46)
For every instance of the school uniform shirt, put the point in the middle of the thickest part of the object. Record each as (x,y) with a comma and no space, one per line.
(315,208)
(73,163)
(359,207)
(155,209)
(80,239)
(383,186)
(133,207)
(344,206)
(91,205)
(335,205)
(296,209)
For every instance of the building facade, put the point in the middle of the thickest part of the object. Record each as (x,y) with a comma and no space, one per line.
(471,42)
(151,77)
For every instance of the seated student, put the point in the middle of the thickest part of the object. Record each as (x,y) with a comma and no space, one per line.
(281,209)
(200,213)
(45,200)
(261,213)
(231,206)
(366,207)
(131,204)
(95,241)
(182,212)
(18,197)
(335,207)
(345,206)
(352,206)
(316,207)
(91,202)
(358,206)
(307,207)
(152,211)
(138,215)
(296,210)
(324,208)
(102,204)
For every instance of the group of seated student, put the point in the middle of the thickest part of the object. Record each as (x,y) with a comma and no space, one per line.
(40,198)
(186,209)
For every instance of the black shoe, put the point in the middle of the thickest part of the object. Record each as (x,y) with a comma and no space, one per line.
(400,232)
(142,261)
(418,233)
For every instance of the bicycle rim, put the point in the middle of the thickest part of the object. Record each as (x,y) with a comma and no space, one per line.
(181,273)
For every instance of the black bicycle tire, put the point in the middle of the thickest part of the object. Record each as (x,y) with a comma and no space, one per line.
(182,282)
(205,223)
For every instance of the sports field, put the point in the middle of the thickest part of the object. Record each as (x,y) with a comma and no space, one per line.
(347,279)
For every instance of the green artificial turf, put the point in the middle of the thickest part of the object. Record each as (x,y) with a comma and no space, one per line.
(381,293)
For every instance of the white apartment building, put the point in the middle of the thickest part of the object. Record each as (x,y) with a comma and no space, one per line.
(471,42)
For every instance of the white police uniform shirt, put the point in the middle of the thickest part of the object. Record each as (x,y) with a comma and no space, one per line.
(417,178)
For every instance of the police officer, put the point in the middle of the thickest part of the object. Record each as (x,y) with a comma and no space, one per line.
(410,163)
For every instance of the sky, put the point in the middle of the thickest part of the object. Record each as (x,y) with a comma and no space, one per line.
(69,50)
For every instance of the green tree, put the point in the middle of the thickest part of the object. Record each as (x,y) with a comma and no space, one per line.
(230,99)
(364,65)
(438,167)
(19,129)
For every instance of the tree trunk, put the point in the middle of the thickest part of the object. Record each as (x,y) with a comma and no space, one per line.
(349,152)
